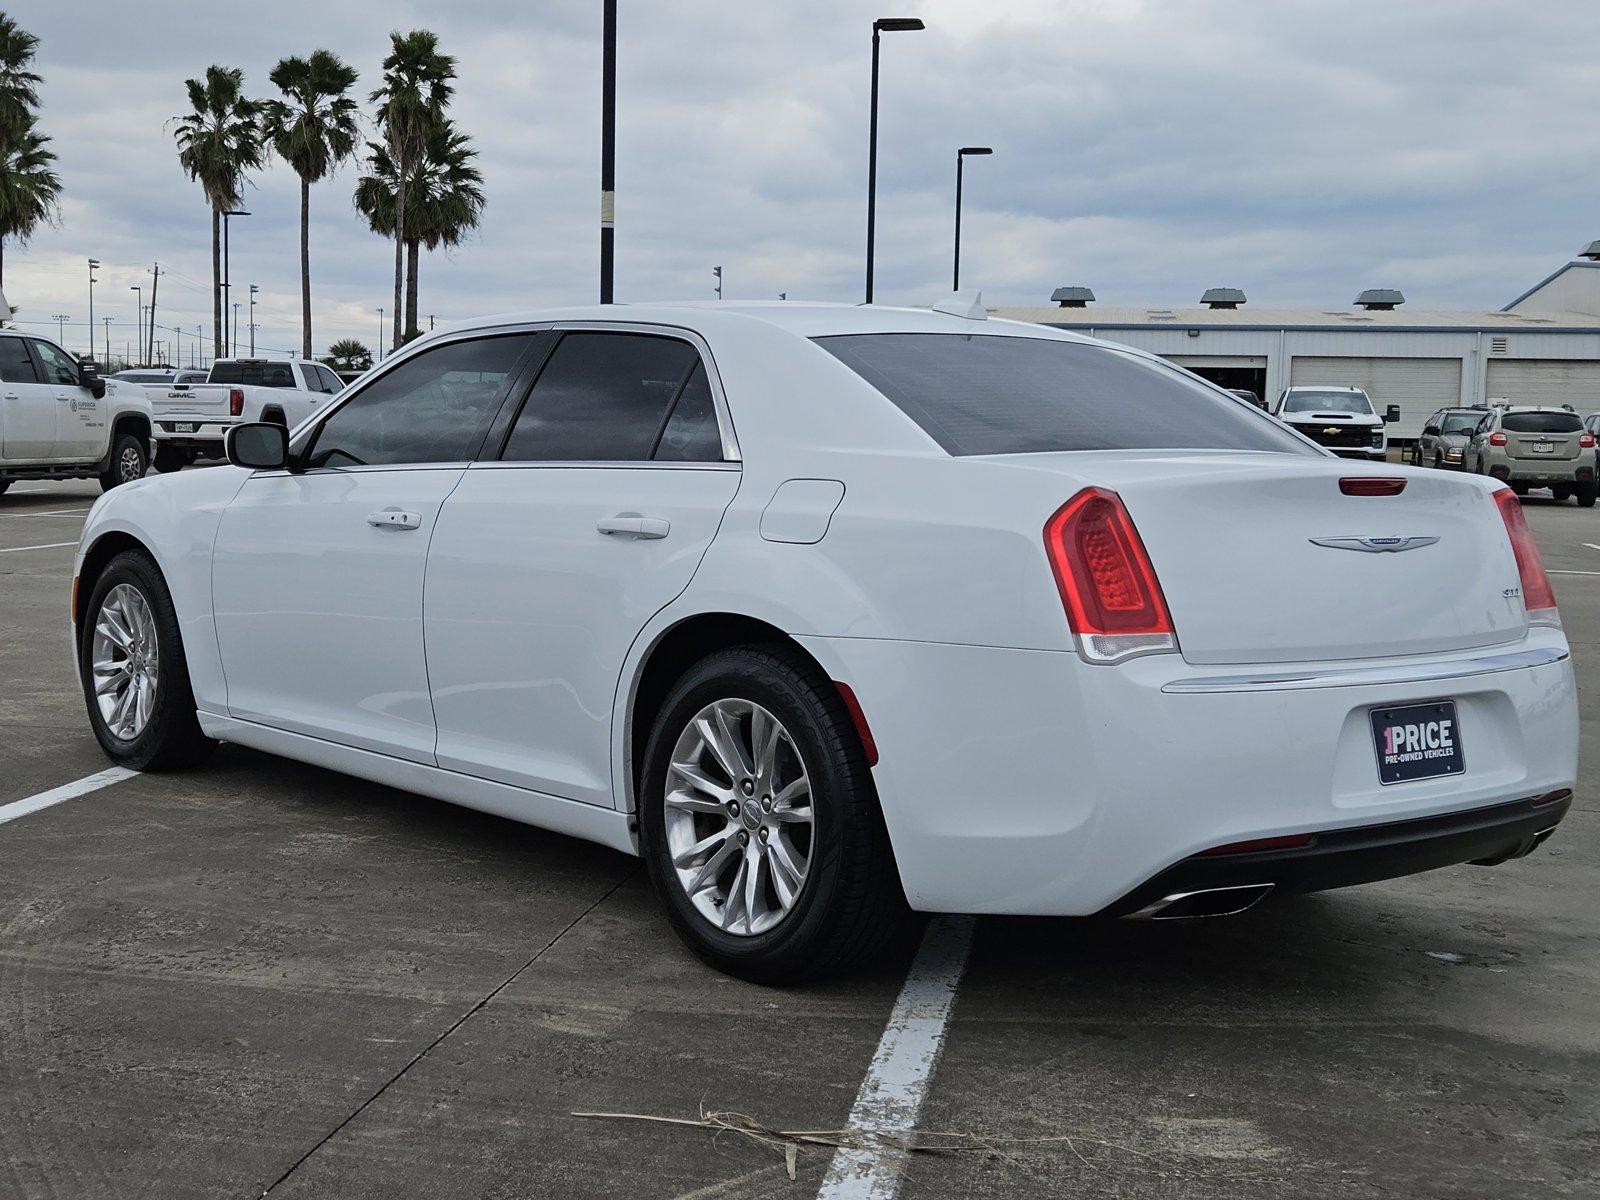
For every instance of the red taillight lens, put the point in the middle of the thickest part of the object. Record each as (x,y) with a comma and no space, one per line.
(1294,841)
(1497,439)
(235,401)
(1537,597)
(1586,440)
(1108,587)
(1371,485)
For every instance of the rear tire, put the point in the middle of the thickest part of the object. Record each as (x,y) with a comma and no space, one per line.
(848,904)
(170,458)
(147,649)
(1586,494)
(1520,489)
(4,485)
(130,459)
(1561,493)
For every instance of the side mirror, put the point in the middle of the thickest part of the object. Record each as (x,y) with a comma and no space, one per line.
(89,377)
(1392,414)
(259,445)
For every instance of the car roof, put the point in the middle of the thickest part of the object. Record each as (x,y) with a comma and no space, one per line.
(1323,387)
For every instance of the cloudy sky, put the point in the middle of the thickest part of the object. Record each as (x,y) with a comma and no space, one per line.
(1148,148)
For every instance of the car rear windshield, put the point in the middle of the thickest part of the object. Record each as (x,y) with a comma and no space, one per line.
(1336,403)
(988,394)
(257,374)
(1541,422)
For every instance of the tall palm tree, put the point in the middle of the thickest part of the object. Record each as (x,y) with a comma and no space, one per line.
(19,85)
(313,133)
(416,90)
(217,143)
(30,189)
(443,202)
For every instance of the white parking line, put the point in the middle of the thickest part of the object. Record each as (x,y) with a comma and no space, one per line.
(1591,546)
(1572,572)
(53,512)
(891,1095)
(46,546)
(67,791)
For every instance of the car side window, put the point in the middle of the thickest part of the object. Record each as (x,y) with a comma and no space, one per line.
(432,408)
(602,397)
(322,379)
(691,433)
(15,364)
(58,368)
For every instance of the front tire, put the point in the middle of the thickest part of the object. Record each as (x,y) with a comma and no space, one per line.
(134,673)
(130,459)
(759,822)
(1586,494)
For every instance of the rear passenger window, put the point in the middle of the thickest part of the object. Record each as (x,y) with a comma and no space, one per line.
(691,433)
(994,394)
(15,365)
(605,397)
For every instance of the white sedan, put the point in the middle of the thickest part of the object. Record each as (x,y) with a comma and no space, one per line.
(831,613)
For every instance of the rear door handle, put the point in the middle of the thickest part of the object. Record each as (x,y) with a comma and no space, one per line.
(634,526)
(394,518)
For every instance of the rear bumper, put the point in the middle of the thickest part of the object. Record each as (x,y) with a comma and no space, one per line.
(1365,854)
(1522,470)
(203,433)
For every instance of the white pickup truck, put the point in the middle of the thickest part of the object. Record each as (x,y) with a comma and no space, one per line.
(60,420)
(191,419)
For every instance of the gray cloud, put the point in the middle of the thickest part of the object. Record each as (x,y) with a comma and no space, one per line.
(1301,151)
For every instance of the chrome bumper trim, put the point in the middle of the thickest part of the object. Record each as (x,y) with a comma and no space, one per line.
(1460,668)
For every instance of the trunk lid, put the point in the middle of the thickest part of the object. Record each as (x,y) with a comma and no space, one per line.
(1230,538)
(202,398)
(1543,447)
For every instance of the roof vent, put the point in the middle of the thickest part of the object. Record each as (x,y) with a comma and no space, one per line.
(1591,252)
(1222,298)
(1073,297)
(1380,300)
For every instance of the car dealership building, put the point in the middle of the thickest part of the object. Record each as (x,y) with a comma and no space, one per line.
(1542,348)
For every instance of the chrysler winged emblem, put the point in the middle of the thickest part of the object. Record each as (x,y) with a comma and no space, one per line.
(1375,545)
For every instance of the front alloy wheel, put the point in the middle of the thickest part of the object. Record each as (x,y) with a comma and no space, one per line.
(738,817)
(125,659)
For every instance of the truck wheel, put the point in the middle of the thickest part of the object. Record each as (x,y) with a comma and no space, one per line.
(1561,492)
(171,458)
(1585,493)
(129,461)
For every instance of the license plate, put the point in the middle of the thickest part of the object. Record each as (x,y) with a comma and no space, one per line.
(1417,741)
(1544,447)
(183,427)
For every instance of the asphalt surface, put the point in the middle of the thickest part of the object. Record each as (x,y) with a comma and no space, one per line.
(262,976)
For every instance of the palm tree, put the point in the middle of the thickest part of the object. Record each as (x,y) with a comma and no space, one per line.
(443,202)
(348,354)
(416,90)
(313,133)
(217,143)
(30,190)
(19,85)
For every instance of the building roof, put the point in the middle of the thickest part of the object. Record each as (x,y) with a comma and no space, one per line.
(1303,318)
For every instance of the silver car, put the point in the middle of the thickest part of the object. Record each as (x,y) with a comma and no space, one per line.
(1535,447)
(1444,437)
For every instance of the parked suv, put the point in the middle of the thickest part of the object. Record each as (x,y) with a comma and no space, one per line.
(1444,437)
(1340,419)
(1531,447)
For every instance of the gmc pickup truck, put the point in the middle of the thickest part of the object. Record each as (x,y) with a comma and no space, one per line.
(191,419)
(60,420)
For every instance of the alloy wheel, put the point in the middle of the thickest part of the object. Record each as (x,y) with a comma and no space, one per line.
(130,464)
(125,660)
(738,815)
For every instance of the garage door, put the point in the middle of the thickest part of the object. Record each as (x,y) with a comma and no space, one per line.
(1546,381)
(1419,386)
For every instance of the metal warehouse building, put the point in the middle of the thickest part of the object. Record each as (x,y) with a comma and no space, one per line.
(1542,348)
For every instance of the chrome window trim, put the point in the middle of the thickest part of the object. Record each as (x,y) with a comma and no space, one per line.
(1461,668)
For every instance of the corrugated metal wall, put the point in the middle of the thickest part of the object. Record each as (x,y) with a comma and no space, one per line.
(1551,381)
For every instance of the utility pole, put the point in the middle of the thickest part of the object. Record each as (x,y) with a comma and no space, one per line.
(717,271)
(430,322)
(608,150)
(236,329)
(155,278)
(107,321)
(138,324)
(93,263)
(380,335)
(253,290)
(199,332)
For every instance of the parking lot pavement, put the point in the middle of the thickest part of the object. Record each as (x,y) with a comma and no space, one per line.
(260,975)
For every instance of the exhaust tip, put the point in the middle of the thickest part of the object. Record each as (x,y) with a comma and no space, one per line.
(1209,902)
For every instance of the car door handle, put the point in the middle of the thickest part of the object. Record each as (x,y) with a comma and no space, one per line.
(394,518)
(11,396)
(634,526)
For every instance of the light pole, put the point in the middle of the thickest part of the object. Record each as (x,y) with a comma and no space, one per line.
(227,278)
(199,332)
(380,335)
(93,263)
(253,290)
(61,320)
(139,324)
(236,329)
(608,149)
(717,271)
(961,154)
(881,25)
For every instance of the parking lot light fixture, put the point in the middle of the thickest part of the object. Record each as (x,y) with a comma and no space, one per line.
(880,26)
(961,156)
(93,263)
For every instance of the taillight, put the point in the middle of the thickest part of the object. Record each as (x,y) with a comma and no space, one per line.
(1586,440)
(1497,438)
(1371,485)
(235,402)
(1108,587)
(1537,597)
